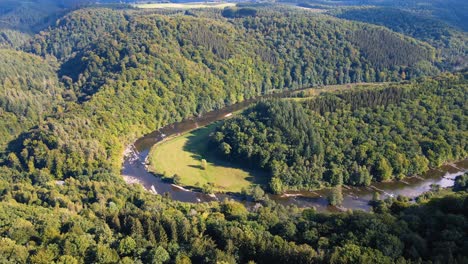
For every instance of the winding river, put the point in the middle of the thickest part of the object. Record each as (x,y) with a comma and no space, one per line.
(134,171)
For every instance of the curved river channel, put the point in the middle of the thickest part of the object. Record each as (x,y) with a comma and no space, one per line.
(134,171)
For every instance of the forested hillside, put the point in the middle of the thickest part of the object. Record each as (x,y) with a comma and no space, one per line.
(78,92)
(352,137)
(293,49)
(30,16)
(21,19)
(453,12)
(451,42)
(29,91)
(130,72)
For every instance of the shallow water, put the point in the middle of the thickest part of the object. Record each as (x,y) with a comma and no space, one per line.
(134,171)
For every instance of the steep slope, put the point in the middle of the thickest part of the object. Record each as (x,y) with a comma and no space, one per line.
(29,91)
(21,19)
(290,50)
(451,43)
(133,72)
(453,12)
(30,16)
(125,73)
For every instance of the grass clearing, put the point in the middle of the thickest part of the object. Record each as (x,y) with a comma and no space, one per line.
(183,156)
(184,5)
(314,92)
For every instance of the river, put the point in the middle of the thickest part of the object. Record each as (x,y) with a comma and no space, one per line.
(134,171)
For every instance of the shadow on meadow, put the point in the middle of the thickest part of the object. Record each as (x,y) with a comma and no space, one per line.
(200,147)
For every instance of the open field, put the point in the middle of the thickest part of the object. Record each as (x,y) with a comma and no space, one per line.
(184,5)
(183,156)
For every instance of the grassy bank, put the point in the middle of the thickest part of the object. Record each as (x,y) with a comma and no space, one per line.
(183,156)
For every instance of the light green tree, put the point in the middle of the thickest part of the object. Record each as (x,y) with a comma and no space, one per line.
(159,255)
(335,197)
(383,169)
(127,246)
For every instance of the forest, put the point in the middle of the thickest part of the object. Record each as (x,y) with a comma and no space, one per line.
(100,220)
(78,84)
(352,137)
(31,16)
(452,12)
(451,43)
(117,77)
(97,219)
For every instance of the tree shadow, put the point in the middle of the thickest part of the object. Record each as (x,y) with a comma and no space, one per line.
(199,145)
(196,166)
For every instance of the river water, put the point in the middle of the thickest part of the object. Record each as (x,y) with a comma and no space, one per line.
(134,171)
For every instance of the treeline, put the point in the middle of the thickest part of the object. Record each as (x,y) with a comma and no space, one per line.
(362,97)
(353,137)
(123,74)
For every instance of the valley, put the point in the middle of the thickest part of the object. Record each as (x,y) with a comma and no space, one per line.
(313,132)
(181,136)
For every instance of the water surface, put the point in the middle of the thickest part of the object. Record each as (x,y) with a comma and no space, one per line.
(134,171)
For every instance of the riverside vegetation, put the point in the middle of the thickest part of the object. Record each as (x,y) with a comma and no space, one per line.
(117,78)
(351,137)
(188,152)
(75,91)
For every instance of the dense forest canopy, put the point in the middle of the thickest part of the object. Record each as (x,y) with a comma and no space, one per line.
(79,84)
(100,220)
(29,91)
(353,137)
(124,36)
(21,19)
(453,12)
(452,43)
(128,72)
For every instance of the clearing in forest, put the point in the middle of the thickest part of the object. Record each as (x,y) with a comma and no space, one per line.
(184,155)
